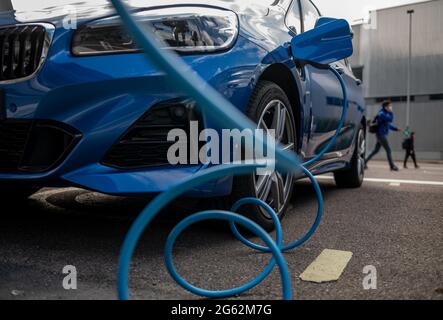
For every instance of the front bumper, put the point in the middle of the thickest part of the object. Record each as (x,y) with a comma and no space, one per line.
(100,98)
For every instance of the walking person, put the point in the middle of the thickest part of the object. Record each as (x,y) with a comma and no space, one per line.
(409,146)
(384,119)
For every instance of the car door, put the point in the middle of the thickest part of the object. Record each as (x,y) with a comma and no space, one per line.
(325,99)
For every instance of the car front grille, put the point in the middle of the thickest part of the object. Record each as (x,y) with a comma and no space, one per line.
(146,143)
(34,146)
(13,137)
(22,50)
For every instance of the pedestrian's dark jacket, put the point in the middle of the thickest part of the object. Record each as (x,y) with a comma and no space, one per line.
(385,119)
(409,143)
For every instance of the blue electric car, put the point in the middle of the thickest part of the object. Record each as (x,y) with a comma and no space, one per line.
(81,106)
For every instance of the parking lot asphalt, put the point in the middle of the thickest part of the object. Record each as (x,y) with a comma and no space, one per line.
(395,227)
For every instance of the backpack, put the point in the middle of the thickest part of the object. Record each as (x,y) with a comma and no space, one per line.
(405,144)
(373,126)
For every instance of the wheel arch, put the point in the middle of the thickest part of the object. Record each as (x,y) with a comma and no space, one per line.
(282,76)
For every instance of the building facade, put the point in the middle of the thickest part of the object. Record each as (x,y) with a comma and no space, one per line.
(5,5)
(381,61)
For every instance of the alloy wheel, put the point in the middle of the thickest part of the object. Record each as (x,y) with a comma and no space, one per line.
(275,188)
(361,154)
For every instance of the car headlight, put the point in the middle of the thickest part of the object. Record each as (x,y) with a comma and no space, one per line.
(183,29)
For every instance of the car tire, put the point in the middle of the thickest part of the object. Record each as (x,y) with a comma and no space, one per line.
(353,177)
(267,98)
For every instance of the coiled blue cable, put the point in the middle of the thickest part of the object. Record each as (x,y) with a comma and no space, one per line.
(230,117)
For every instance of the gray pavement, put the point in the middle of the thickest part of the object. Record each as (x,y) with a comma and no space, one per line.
(393,226)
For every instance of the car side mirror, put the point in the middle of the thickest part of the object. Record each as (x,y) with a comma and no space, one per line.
(330,41)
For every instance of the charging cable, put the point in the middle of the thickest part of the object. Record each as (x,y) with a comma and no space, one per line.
(214,104)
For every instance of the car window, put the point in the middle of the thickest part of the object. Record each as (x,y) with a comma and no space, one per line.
(310,15)
(293,18)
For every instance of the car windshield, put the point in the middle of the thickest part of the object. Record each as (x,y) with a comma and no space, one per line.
(21,5)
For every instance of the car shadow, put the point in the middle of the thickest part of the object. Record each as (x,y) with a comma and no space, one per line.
(55,216)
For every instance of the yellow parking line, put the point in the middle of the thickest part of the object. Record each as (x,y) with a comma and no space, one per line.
(328,266)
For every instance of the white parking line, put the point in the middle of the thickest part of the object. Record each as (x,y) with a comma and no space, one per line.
(395,184)
(436,168)
(393,181)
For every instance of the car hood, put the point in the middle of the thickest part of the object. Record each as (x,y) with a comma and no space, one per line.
(92,9)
